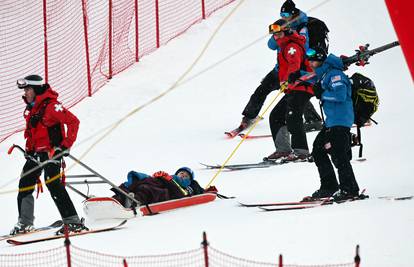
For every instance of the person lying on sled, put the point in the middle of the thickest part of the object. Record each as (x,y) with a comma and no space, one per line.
(158,187)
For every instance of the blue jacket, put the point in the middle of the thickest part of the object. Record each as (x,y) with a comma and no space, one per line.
(337,93)
(184,183)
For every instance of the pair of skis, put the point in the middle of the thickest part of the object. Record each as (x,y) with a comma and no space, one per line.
(30,237)
(262,164)
(306,203)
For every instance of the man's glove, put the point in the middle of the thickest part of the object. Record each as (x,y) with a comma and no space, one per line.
(317,90)
(189,190)
(162,174)
(342,58)
(211,189)
(29,155)
(61,151)
(294,76)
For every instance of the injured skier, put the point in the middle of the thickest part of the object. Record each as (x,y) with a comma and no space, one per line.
(158,187)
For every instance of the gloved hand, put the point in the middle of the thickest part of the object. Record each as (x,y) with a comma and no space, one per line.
(317,90)
(189,190)
(162,174)
(344,57)
(284,86)
(294,76)
(61,151)
(29,155)
(211,189)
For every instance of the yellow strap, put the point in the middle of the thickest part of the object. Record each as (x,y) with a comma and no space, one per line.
(282,89)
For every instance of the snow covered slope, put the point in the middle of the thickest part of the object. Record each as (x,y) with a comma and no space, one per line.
(186,127)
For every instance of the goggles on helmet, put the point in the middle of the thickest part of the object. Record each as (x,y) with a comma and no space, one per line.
(274,28)
(22,83)
(311,54)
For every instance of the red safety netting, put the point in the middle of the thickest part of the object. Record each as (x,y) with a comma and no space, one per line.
(195,258)
(78,46)
(51,258)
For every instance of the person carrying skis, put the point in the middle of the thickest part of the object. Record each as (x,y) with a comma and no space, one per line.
(287,114)
(47,142)
(158,187)
(333,88)
(297,20)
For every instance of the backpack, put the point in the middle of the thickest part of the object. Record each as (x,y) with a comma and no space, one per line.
(364,98)
(365,101)
(318,33)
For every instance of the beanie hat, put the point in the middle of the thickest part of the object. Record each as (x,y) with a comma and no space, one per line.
(289,7)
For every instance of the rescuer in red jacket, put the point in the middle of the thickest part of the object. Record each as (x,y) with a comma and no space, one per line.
(287,114)
(46,140)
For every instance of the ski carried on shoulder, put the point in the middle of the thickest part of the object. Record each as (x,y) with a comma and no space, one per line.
(24,241)
(54,225)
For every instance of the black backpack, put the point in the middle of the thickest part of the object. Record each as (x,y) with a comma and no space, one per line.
(365,101)
(318,33)
(364,97)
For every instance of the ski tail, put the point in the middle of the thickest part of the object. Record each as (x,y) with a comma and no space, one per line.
(55,224)
(18,242)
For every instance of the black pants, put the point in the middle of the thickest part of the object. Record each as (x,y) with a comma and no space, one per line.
(335,141)
(267,85)
(57,190)
(289,112)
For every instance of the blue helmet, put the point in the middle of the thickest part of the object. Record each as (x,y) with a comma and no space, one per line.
(188,170)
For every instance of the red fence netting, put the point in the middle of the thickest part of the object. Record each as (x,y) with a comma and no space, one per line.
(194,258)
(78,46)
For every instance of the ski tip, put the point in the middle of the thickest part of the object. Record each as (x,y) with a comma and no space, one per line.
(229,135)
(13,242)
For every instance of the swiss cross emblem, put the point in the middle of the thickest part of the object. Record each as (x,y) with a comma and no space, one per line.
(292,51)
(58,107)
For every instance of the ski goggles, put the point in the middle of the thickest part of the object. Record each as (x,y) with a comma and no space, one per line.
(311,54)
(285,14)
(274,28)
(22,83)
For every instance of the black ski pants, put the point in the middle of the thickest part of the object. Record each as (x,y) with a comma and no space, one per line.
(57,190)
(335,141)
(267,85)
(289,112)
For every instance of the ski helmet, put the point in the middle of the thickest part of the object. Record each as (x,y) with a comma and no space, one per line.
(316,54)
(187,170)
(34,81)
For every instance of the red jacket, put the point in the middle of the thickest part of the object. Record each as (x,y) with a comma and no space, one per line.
(291,58)
(49,131)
